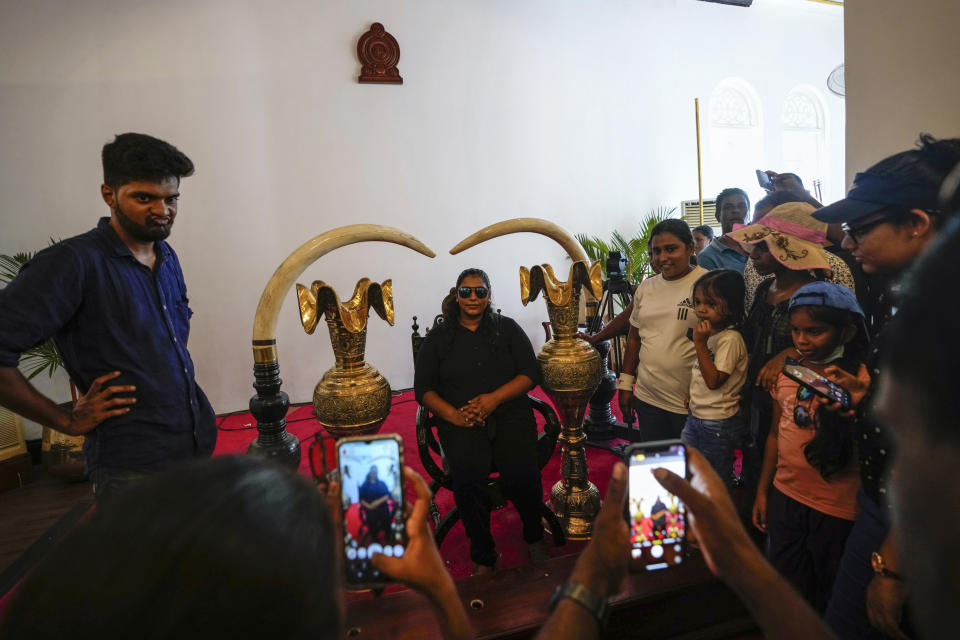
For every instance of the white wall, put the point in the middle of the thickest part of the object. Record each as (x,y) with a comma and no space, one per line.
(577,112)
(903,60)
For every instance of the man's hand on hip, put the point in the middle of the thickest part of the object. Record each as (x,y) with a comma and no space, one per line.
(99,403)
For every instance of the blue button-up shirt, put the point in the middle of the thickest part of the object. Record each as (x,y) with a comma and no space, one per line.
(108,312)
(719,256)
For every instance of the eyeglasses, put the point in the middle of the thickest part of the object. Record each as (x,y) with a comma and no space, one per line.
(858,231)
(481,291)
(801,414)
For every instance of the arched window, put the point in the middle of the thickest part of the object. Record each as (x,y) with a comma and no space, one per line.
(735,136)
(804,136)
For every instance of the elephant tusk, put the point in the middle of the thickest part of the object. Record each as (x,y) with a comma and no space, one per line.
(283,279)
(533,225)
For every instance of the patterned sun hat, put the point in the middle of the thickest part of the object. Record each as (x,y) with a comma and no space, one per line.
(795,238)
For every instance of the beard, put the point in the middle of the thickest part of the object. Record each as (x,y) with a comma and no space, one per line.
(149,232)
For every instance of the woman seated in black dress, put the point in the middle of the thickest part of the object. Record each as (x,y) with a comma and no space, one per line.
(374,496)
(473,372)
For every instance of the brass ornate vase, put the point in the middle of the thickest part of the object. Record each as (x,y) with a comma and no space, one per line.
(352,398)
(571,373)
(269,407)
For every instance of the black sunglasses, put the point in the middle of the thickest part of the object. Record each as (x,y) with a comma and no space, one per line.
(481,291)
(801,414)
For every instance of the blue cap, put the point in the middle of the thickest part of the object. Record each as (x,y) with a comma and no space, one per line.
(876,190)
(826,294)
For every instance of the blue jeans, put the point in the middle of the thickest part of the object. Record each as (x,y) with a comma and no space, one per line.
(847,611)
(716,440)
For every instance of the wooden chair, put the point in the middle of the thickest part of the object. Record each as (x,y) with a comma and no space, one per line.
(430,450)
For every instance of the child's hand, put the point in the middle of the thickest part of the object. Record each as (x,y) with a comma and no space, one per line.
(760,511)
(701,332)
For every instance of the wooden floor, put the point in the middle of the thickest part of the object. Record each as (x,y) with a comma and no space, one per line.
(686,603)
(28,516)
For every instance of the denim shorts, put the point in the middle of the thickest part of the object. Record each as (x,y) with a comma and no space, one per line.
(716,440)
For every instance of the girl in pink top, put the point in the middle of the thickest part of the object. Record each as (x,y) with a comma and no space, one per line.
(806,498)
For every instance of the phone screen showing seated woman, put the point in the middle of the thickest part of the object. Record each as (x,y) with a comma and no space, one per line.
(656,517)
(372,495)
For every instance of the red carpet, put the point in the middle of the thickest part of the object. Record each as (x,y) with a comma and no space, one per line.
(234,438)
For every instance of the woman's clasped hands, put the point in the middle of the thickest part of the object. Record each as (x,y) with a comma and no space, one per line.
(476,412)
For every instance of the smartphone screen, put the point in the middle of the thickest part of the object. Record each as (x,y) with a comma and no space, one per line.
(764,179)
(817,383)
(657,518)
(371,491)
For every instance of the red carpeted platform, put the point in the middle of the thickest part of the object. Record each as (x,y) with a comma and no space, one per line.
(237,432)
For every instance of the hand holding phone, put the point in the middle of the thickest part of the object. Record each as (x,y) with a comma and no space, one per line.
(726,547)
(766,182)
(371,496)
(816,383)
(657,518)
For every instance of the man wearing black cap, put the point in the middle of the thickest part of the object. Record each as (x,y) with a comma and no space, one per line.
(889,217)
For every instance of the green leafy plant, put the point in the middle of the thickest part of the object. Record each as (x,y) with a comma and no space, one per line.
(44,357)
(634,248)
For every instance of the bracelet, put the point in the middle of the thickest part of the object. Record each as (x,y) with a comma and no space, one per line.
(595,604)
(625,382)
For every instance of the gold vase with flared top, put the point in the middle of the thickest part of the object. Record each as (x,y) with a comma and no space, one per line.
(352,398)
(571,373)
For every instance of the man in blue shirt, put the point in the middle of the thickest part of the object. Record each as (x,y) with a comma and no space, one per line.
(115,303)
(724,253)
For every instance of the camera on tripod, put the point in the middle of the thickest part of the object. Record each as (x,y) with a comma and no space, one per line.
(618,278)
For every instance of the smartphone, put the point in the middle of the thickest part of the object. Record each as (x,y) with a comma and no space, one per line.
(816,382)
(764,179)
(371,492)
(657,518)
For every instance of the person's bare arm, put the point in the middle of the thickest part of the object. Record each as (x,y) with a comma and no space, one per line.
(767,470)
(446,411)
(422,568)
(771,370)
(618,326)
(92,408)
(731,555)
(376,503)
(601,567)
(886,595)
(713,377)
(631,357)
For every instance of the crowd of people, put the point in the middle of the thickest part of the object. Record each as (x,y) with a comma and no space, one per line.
(851,500)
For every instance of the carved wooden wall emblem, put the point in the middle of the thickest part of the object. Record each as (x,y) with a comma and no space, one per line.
(379,53)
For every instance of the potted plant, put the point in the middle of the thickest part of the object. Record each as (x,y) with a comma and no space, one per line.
(62,454)
(634,249)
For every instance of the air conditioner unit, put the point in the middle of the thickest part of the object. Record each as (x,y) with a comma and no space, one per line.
(12,442)
(690,212)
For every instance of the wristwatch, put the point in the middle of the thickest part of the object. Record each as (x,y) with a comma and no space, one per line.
(596,605)
(880,567)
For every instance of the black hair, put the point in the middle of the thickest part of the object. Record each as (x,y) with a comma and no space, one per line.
(705,230)
(778,198)
(137,156)
(794,176)
(726,193)
(450,310)
(233,547)
(919,350)
(677,227)
(727,285)
(831,447)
